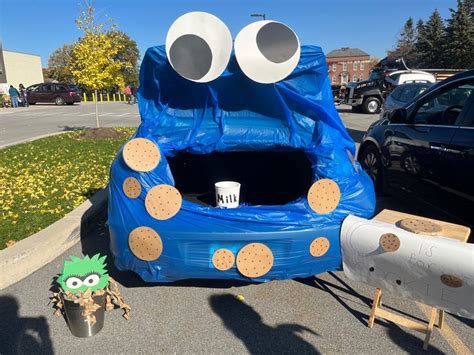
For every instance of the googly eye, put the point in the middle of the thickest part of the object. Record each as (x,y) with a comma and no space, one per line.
(91,280)
(198,46)
(73,282)
(267,51)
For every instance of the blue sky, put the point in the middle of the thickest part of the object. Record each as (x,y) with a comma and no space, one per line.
(41,26)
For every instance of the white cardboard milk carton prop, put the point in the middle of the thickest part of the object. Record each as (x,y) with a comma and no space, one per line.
(433,270)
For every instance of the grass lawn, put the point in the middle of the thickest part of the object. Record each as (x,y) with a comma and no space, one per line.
(42,181)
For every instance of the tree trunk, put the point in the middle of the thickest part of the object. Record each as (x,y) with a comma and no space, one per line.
(96,109)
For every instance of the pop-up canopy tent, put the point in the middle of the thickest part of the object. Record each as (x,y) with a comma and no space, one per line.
(284,142)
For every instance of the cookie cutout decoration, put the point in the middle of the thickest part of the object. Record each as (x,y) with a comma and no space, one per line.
(451,281)
(145,243)
(420,226)
(324,196)
(389,242)
(319,247)
(254,260)
(163,201)
(141,154)
(223,259)
(131,187)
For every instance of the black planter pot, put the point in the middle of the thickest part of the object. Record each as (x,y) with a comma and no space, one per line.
(78,324)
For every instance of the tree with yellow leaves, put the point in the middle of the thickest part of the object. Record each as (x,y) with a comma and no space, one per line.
(95,65)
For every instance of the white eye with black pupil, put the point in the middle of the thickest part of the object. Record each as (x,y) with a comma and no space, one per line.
(267,51)
(73,282)
(91,280)
(198,46)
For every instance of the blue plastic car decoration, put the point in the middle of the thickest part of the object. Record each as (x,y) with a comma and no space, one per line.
(163,231)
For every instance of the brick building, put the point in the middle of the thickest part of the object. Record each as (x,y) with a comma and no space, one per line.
(347,64)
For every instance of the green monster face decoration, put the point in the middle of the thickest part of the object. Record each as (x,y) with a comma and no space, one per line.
(80,275)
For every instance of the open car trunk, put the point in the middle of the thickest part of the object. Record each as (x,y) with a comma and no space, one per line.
(266,177)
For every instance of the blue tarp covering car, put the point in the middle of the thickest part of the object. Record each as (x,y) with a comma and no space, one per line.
(236,114)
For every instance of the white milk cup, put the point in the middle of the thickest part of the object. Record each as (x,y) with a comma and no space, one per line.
(227,194)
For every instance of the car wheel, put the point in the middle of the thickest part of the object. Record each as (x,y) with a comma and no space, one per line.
(372,105)
(371,162)
(59,101)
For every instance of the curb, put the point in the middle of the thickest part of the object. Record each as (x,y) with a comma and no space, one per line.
(32,253)
(27,140)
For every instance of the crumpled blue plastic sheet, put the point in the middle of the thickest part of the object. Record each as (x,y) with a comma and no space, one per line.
(234,113)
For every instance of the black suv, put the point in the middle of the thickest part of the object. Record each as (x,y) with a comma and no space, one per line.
(425,150)
(57,93)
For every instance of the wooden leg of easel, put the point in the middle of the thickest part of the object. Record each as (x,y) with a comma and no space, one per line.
(375,303)
(441,319)
(429,330)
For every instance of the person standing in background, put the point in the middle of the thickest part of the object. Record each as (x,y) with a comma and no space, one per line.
(128,94)
(13,96)
(133,91)
(24,95)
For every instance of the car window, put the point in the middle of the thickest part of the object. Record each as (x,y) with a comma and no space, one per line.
(73,88)
(421,89)
(408,93)
(47,87)
(33,88)
(61,88)
(445,106)
(397,92)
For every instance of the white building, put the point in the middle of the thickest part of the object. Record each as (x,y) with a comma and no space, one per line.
(19,67)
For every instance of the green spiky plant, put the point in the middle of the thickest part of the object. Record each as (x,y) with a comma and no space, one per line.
(80,275)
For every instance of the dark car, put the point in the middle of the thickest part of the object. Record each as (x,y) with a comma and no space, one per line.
(57,93)
(425,150)
(402,95)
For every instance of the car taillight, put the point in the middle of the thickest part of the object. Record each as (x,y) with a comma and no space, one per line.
(72,93)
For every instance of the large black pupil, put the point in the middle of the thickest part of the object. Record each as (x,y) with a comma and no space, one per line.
(277,42)
(74,283)
(191,56)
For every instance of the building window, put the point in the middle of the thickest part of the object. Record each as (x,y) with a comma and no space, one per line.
(344,66)
(361,66)
(354,78)
(344,78)
(334,78)
(354,66)
(361,77)
(334,67)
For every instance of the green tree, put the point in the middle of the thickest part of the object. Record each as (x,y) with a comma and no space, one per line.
(430,43)
(406,44)
(459,49)
(128,53)
(59,64)
(95,65)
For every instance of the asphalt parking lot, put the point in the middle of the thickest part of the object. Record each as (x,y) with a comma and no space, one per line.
(323,314)
(17,125)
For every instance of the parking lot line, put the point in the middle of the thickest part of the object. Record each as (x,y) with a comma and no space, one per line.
(87,114)
(447,333)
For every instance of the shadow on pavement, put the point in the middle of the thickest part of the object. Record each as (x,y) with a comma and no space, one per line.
(22,335)
(356,134)
(400,337)
(467,321)
(72,128)
(408,342)
(246,324)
